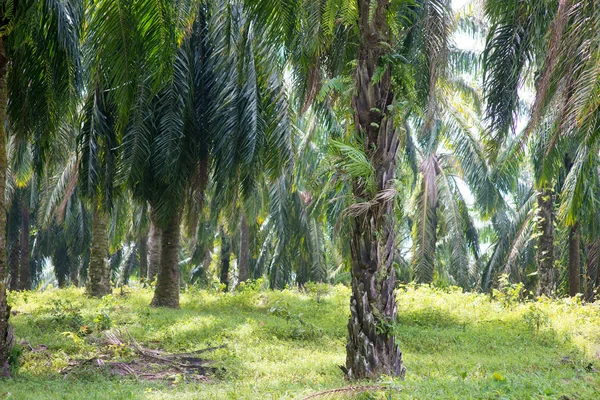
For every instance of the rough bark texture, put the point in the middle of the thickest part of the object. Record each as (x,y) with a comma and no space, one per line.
(154,247)
(574,257)
(6,335)
(591,271)
(371,349)
(225,258)
(166,293)
(24,269)
(98,283)
(13,262)
(143,254)
(244,254)
(545,251)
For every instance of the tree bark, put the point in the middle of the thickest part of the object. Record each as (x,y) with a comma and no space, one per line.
(574,256)
(24,271)
(74,271)
(6,333)
(166,293)
(225,258)
(244,254)
(545,250)
(98,283)
(13,262)
(591,271)
(143,255)
(154,244)
(371,349)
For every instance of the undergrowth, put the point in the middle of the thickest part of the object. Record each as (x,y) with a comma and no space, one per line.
(289,344)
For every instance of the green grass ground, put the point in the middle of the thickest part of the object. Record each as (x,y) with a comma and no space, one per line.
(289,345)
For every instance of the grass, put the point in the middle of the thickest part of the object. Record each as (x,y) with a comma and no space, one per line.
(289,345)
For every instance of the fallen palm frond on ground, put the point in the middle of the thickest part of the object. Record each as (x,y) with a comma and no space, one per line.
(348,390)
(146,363)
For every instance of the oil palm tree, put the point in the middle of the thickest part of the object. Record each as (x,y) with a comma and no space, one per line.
(372,42)
(39,60)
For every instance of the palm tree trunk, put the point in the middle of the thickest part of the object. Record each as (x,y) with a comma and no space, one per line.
(74,271)
(244,254)
(98,283)
(574,268)
(6,336)
(154,249)
(591,273)
(13,262)
(143,254)
(225,258)
(545,251)
(166,293)
(24,271)
(371,349)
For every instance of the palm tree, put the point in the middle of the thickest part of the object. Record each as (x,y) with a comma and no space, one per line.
(371,41)
(34,36)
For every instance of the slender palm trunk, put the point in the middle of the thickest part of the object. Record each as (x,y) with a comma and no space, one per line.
(225,258)
(6,334)
(143,254)
(24,271)
(244,254)
(574,256)
(13,263)
(61,263)
(545,251)
(166,293)
(98,283)
(371,349)
(591,271)
(154,244)
(74,272)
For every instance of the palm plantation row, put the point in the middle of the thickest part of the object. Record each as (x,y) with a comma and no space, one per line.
(307,140)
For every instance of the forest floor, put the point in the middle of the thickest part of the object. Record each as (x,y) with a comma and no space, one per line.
(273,345)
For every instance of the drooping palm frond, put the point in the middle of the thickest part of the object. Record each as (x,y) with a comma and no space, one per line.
(516,35)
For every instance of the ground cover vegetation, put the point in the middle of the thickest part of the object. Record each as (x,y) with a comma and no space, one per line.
(283,156)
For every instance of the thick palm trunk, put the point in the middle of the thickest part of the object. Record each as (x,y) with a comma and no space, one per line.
(574,256)
(545,251)
(225,258)
(371,349)
(154,249)
(6,336)
(13,262)
(591,270)
(244,254)
(166,293)
(24,272)
(98,283)
(143,255)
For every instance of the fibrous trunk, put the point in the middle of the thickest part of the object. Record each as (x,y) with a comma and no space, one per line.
(371,349)
(24,269)
(574,268)
(244,254)
(6,334)
(166,293)
(154,249)
(143,255)
(98,283)
(225,257)
(591,271)
(545,251)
